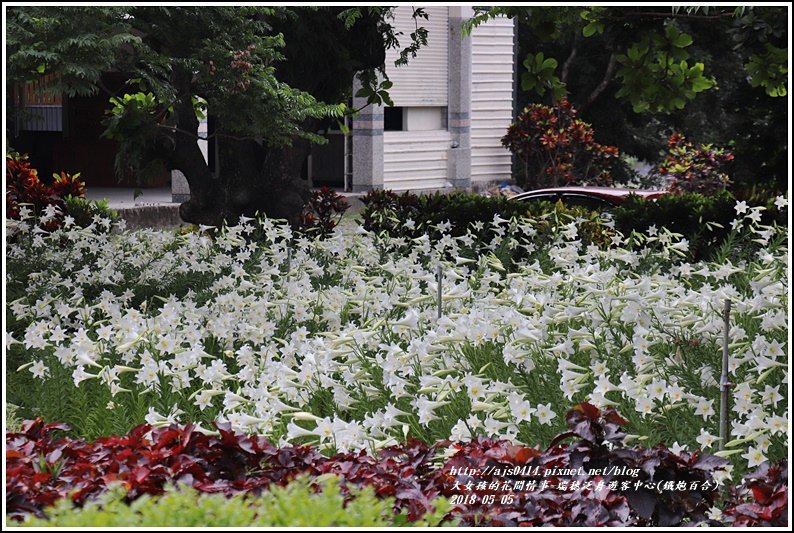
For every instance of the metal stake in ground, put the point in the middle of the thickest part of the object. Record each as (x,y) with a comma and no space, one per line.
(725,385)
(438,282)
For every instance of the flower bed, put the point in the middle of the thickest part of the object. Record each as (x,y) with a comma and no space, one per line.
(337,343)
(593,481)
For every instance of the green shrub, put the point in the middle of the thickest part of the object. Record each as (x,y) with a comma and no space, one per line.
(411,215)
(462,209)
(297,504)
(13,421)
(705,221)
(84,211)
(695,168)
(557,148)
(760,193)
(438,216)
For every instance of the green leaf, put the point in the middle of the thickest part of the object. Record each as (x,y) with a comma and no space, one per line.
(528,82)
(682,41)
(702,83)
(633,53)
(593,28)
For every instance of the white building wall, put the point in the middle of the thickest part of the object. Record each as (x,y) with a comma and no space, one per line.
(425,156)
(423,81)
(491,99)
(416,159)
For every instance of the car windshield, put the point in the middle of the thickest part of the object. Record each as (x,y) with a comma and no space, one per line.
(589,202)
(570,200)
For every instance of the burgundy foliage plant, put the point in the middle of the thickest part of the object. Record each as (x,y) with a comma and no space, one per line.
(24,189)
(585,478)
(691,168)
(322,213)
(763,498)
(557,148)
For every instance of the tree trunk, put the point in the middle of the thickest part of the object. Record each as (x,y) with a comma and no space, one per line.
(250,179)
(596,92)
(321,57)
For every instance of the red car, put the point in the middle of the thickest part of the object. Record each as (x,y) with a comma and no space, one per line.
(589,197)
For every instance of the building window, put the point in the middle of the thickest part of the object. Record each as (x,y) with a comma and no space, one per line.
(393,119)
(414,118)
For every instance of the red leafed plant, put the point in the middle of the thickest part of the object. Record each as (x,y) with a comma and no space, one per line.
(557,148)
(599,493)
(762,500)
(580,483)
(68,185)
(42,469)
(322,213)
(25,189)
(692,168)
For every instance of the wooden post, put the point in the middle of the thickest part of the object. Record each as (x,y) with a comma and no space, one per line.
(438,282)
(725,385)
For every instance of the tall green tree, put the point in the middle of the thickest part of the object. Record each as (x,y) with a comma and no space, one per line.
(267,76)
(639,73)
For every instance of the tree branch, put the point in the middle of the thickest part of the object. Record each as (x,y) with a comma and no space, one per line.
(595,93)
(174,129)
(566,67)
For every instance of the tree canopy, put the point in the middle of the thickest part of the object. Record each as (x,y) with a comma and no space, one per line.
(269,76)
(719,74)
(266,75)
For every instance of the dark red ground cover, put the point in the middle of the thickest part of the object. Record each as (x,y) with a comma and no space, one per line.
(763,499)
(580,480)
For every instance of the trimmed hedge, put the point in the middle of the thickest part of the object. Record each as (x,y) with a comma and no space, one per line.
(411,215)
(393,213)
(704,221)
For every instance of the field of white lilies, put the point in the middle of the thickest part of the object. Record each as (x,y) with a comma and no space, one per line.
(338,342)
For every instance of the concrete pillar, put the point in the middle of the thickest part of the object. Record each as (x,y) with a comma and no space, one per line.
(459,98)
(180,190)
(367,132)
